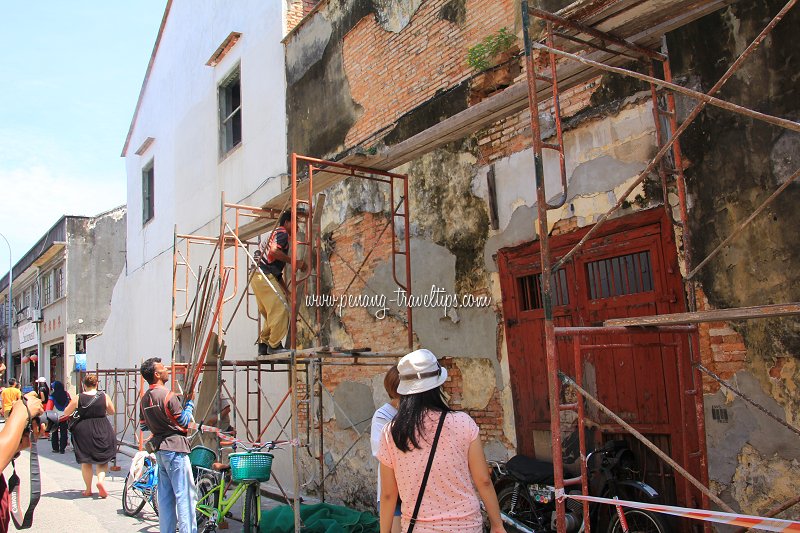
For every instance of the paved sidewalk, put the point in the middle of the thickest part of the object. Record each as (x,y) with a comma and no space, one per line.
(62,508)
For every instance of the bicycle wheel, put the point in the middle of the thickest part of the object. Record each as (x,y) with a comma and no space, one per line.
(639,521)
(252,508)
(207,499)
(133,499)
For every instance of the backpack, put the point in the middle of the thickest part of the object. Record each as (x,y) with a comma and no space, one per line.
(273,240)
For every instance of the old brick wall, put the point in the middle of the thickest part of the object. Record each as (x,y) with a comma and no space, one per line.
(513,134)
(387,60)
(424,58)
(388,77)
(296,10)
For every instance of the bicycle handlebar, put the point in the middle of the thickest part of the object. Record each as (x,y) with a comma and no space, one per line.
(256,446)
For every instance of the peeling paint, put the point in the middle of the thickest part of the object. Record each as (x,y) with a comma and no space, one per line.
(744,426)
(763,481)
(478,382)
(307,48)
(394,15)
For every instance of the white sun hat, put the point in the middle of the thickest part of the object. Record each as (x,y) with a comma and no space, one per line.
(420,372)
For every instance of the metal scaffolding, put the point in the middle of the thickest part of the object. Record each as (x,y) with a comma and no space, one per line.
(229,279)
(550,57)
(568,41)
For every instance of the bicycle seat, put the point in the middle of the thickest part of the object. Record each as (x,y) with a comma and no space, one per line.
(221,467)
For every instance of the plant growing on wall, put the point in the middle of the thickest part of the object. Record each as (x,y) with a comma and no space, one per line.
(480,56)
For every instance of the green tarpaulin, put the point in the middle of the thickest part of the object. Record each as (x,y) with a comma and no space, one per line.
(319,518)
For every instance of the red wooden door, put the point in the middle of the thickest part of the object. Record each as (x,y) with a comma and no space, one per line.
(628,269)
(523,310)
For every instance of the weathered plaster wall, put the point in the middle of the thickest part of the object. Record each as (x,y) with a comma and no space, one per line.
(754,461)
(96,252)
(602,156)
(735,164)
(452,246)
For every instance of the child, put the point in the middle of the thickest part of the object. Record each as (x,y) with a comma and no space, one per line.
(383,416)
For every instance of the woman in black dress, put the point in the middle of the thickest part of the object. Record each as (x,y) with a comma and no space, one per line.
(93,437)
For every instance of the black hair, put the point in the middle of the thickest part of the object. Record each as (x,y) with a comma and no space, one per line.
(408,425)
(12,382)
(60,396)
(286,216)
(148,369)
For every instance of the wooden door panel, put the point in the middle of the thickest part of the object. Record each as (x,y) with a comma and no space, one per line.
(629,269)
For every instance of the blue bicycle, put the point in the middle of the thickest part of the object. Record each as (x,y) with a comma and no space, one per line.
(142,489)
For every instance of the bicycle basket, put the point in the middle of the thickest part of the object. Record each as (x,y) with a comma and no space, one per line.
(253,466)
(202,457)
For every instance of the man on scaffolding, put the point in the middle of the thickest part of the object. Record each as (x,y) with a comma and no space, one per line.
(269,287)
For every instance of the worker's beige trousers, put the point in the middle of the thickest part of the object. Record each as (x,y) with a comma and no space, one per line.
(275,318)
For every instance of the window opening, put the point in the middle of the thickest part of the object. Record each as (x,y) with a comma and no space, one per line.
(530,290)
(47,289)
(58,281)
(148,192)
(230,108)
(620,276)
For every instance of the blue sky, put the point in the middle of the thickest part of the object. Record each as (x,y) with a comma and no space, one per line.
(71,77)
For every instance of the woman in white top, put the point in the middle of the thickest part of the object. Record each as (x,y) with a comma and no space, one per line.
(383,416)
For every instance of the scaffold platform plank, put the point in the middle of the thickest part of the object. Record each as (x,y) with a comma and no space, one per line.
(714,315)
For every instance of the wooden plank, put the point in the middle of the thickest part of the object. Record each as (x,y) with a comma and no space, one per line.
(206,399)
(715,315)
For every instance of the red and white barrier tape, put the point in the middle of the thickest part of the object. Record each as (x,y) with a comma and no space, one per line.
(748,521)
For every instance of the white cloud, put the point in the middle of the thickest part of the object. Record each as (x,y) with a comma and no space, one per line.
(35,197)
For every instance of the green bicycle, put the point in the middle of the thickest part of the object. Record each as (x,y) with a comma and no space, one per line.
(247,470)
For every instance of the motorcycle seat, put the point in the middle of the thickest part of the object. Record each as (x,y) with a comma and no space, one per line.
(529,470)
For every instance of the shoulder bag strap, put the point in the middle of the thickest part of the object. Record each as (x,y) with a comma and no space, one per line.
(427,473)
(88,405)
(26,521)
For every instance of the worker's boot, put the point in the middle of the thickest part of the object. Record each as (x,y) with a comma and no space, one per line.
(278,349)
(263,348)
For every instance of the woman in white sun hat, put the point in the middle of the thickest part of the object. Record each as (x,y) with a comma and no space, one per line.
(432,458)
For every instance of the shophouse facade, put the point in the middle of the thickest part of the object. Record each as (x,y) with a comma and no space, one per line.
(62,294)
(363,81)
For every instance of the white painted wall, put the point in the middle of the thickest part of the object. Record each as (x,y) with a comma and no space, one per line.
(180,111)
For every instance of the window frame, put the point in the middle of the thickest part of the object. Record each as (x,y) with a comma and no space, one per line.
(27,296)
(58,282)
(47,289)
(228,117)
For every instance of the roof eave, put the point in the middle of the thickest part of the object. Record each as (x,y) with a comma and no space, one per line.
(146,78)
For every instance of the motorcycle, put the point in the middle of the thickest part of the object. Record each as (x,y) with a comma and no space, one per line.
(526,493)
